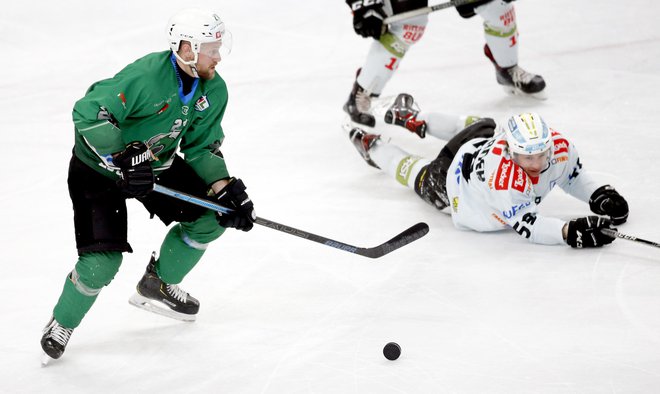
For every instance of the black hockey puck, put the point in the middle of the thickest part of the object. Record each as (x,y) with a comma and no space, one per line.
(392,351)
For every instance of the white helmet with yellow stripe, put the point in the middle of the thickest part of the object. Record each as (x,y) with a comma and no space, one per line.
(527,134)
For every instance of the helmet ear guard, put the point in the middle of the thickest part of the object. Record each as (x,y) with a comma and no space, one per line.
(527,134)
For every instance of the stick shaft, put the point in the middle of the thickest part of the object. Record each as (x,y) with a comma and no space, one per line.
(424,11)
(616,234)
(409,235)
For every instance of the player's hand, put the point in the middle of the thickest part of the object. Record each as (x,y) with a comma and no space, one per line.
(137,176)
(233,196)
(585,232)
(607,201)
(368,17)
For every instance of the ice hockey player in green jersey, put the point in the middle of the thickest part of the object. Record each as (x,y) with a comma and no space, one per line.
(128,130)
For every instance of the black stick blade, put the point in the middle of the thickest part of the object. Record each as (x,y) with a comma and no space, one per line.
(410,235)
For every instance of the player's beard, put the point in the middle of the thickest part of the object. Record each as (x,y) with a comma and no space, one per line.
(206,74)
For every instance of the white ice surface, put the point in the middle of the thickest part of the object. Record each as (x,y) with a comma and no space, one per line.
(473,313)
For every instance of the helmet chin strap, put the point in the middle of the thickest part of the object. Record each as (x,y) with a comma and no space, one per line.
(190,63)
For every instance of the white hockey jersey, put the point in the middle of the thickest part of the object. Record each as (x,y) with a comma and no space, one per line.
(488,191)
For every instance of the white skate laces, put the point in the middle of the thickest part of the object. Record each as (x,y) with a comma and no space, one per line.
(519,76)
(177,293)
(58,333)
(363,101)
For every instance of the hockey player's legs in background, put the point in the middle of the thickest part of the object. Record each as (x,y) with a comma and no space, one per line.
(501,34)
(385,53)
(427,178)
(389,48)
(404,111)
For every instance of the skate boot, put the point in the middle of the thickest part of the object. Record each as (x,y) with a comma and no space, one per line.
(403,112)
(515,80)
(156,296)
(363,142)
(358,106)
(54,340)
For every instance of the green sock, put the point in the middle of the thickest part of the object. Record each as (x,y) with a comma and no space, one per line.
(72,305)
(176,257)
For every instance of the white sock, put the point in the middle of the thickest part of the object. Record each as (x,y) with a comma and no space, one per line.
(397,163)
(444,126)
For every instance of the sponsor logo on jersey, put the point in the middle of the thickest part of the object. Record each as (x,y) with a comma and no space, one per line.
(509,17)
(412,33)
(454,204)
(561,143)
(499,219)
(514,210)
(503,174)
(561,146)
(202,104)
(519,179)
(560,159)
(403,169)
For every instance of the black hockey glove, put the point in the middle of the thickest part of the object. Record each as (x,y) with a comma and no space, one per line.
(368,17)
(233,196)
(607,201)
(137,177)
(585,232)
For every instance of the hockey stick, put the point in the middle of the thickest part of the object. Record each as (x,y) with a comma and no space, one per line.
(616,234)
(425,10)
(410,235)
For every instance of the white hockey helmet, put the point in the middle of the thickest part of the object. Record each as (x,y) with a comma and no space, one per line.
(198,27)
(527,134)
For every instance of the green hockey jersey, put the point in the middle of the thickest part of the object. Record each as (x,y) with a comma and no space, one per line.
(145,102)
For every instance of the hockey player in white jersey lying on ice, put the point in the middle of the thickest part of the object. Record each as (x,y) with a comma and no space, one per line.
(492,178)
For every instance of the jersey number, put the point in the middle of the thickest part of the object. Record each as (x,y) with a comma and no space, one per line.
(391,64)
(521,229)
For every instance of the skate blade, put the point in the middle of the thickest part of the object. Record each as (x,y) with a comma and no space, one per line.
(542,95)
(154,306)
(45,359)
(379,107)
(348,125)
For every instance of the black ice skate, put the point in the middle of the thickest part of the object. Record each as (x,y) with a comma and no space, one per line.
(358,106)
(54,340)
(403,112)
(363,142)
(156,296)
(515,80)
